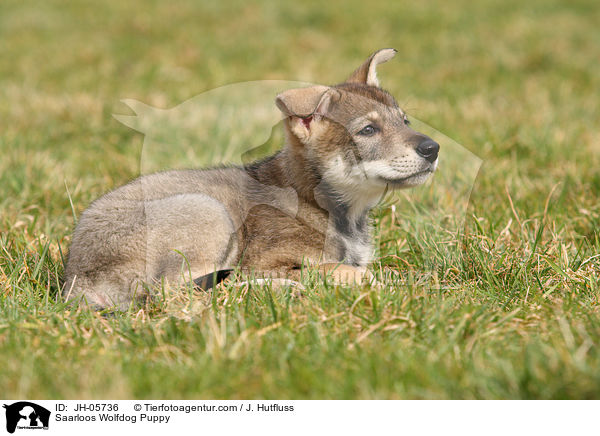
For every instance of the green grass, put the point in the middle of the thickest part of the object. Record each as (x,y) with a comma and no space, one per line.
(507,307)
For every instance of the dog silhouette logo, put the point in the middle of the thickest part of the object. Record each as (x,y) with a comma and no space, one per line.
(26,415)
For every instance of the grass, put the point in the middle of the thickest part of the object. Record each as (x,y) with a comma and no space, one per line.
(504,306)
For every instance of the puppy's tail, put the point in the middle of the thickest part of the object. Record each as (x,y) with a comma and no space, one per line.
(209,281)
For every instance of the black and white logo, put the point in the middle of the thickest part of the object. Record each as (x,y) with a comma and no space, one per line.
(26,415)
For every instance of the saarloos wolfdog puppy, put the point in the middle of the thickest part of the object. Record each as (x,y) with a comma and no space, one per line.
(345,146)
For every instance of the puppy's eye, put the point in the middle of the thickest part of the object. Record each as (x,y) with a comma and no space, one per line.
(406,121)
(368,130)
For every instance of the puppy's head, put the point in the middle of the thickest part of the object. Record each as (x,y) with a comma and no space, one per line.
(356,135)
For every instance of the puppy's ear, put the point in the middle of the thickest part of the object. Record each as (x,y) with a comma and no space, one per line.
(305,102)
(305,108)
(367,72)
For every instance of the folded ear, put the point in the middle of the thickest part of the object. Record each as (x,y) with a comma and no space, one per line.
(304,102)
(367,73)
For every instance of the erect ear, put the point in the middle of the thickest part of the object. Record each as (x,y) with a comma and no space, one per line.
(367,72)
(305,102)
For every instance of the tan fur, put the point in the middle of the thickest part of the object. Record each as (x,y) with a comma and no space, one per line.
(307,204)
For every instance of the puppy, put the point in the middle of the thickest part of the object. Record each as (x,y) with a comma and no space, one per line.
(345,146)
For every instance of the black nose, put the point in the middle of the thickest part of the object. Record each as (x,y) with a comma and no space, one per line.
(428,149)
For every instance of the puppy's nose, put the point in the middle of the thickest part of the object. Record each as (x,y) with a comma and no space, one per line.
(428,149)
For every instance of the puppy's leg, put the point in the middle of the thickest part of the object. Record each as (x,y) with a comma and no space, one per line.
(277,284)
(338,273)
(278,281)
(342,274)
(190,236)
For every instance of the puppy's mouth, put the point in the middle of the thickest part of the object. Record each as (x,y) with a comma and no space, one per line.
(412,180)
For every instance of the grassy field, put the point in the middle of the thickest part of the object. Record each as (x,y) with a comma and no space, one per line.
(510,310)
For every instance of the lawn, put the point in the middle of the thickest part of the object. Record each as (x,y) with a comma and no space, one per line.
(498,300)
